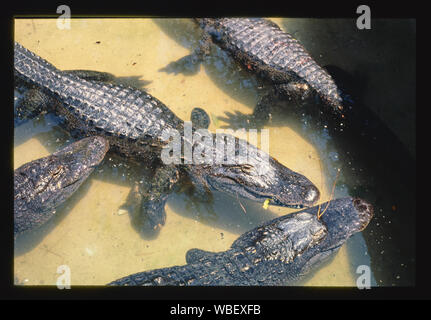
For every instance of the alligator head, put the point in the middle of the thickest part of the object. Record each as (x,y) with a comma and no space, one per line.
(307,238)
(342,218)
(259,177)
(43,184)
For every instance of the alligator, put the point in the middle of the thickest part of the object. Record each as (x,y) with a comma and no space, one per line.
(136,125)
(279,252)
(40,186)
(260,46)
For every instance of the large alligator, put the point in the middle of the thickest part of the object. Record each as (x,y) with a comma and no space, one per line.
(40,186)
(262,47)
(278,252)
(136,125)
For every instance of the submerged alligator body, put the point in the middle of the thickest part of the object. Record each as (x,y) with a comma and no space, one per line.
(42,185)
(276,253)
(134,123)
(262,47)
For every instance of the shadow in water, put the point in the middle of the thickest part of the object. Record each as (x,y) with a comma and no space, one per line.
(223,211)
(226,74)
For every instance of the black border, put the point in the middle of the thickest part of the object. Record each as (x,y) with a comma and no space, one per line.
(175,295)
(299,9)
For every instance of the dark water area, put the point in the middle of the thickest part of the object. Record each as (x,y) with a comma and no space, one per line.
(376,144)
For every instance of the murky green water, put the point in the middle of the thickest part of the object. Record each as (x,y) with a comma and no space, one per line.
(90,233)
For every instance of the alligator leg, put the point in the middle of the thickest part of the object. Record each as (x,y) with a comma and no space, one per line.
(296,91)
(203,48)
(262,113)
(32,103)
(201,190)
(146,201)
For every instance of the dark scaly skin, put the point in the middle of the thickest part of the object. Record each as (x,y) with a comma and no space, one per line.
(43,184)
(200,118)
(275,253)
(130,119)
(133,122)
(261,46)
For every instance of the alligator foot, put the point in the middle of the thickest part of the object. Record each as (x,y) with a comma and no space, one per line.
(146,201)
(200,118)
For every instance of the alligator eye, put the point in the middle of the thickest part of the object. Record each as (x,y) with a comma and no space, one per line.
(246,168)
(58,170)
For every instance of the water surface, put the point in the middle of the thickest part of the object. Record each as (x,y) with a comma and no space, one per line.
(91,233)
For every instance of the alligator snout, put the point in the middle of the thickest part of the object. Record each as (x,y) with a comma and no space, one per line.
(311,194)
(365,211)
